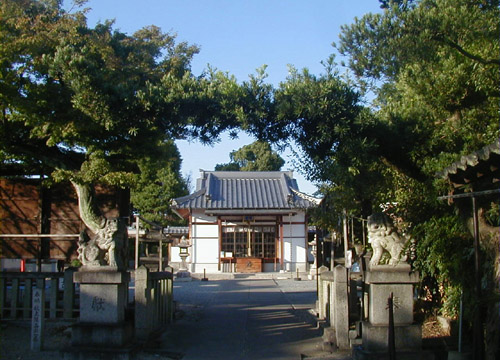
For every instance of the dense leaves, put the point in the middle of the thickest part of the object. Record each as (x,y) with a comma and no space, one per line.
(159,182)
(257,156)
(90,103)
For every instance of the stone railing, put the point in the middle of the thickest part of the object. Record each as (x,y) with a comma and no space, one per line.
(333,306)
(16,291)
(154,305)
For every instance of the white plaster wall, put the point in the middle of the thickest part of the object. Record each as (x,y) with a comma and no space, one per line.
(294,241)
(205,241)
(298,217)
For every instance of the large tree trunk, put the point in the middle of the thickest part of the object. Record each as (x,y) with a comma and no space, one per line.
(109,243)
(89,212)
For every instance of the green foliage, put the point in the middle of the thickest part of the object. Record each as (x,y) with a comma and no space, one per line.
(159,182)
(92,103)
(258,156)
(445,252)
(434,66)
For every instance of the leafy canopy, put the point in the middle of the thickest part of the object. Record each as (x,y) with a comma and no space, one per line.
(90,103)
(258,156)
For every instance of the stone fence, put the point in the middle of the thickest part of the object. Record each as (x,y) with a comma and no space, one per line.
(333,306)
(16,292)
(154,305)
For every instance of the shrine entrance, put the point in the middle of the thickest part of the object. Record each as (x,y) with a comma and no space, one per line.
(247,247)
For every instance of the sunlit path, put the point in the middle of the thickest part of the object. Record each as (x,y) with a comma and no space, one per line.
(243,319)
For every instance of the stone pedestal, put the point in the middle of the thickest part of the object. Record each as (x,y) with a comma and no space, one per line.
(102,329)
(382,280)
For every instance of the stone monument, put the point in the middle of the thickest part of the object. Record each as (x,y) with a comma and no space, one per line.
(102,329)
(382,280)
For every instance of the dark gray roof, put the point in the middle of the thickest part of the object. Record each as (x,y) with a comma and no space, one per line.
(246,190)
(473,166)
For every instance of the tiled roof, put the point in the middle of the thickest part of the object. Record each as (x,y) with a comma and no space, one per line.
(244,190)
(474,166)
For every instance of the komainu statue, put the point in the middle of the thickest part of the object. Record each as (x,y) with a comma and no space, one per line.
(384,236)
(109,243)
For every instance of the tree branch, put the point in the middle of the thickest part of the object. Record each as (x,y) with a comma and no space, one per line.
(465,53)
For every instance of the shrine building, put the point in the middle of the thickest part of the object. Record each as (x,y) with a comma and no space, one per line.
(246,221)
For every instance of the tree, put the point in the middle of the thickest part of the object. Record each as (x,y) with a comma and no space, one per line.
(434,68)
(158,182)
(91,104)
(258,156)
(95,105)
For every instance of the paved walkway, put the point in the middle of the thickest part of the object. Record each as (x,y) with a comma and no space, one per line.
(243,319)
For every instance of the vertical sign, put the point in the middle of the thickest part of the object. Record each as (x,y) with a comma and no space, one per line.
(37,320)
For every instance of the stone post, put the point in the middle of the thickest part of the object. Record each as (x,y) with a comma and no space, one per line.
(323,299)
(336,337)
(341,307)
(142,297)
(69,293)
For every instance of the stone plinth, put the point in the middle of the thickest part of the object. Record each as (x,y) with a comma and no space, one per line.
(103,295)
(407,337)
(383,280)
(102,330)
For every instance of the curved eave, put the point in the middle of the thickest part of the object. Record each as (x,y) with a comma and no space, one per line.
(474,166)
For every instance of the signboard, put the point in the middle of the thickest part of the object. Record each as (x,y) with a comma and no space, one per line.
(37,320)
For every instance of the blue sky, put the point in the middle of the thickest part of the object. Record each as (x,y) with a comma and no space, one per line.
(238,37)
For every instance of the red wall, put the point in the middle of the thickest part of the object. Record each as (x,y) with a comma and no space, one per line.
(28,208)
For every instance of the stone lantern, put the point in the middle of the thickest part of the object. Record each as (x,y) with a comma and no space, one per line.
(183,272)
(314,252)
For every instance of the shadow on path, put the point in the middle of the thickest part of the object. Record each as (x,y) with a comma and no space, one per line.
(242,319)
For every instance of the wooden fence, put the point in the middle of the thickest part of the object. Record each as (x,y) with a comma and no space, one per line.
(16,291)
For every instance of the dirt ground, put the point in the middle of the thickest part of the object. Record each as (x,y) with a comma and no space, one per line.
(15,340)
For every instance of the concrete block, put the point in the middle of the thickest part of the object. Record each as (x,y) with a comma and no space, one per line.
(103,295)
(102,335)
(102,303)
(388,274)
(375,338)
(403,303)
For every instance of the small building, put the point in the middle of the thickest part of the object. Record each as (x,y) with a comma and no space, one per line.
(246,221)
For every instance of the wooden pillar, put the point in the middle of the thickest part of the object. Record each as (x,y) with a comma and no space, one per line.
(219,224)
(282,251)
(137,223)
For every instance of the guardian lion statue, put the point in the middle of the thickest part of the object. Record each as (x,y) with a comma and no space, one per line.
(382,235)
(109,244)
